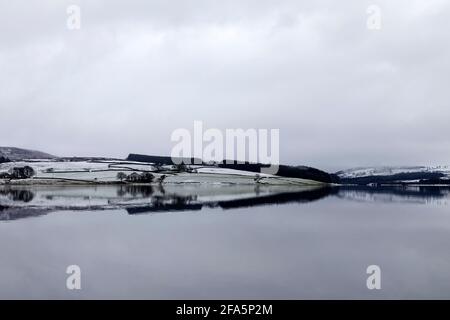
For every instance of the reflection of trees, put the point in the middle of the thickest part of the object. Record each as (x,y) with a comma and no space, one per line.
(18,195)
(135,190)
(167,203)
(173,199)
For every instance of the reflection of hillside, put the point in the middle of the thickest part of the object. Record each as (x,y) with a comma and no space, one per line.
(17,203)
(135,190)
(165,208)
(420,194)
(31,201)
(183,204)
(281,198)
(7,213)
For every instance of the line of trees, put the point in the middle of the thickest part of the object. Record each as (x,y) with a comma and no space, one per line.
(26,172)
(144,177)
(4,159)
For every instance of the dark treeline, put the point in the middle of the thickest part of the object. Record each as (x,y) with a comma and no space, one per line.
(300,172)
(4,159)
(162,160)
(17,173)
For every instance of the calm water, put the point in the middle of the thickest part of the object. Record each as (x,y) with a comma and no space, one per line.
(224,242)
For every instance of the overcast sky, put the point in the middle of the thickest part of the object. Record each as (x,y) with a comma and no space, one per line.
(341,94)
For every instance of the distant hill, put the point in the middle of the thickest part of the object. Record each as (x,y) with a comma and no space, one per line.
(15,154)
(395,175)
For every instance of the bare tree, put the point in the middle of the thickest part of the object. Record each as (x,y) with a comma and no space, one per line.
(162,178)
(121,176)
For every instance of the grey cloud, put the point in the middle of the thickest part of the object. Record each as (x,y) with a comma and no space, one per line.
(340,94)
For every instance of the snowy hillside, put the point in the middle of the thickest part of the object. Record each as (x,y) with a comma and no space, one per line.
(387,171)
(20,154)
(116,171)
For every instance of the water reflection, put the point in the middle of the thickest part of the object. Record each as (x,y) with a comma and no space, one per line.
(138,199)
(414,194)
(17,194)
(22,202)
(278,243)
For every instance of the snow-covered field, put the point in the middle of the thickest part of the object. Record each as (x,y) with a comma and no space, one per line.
(96,171)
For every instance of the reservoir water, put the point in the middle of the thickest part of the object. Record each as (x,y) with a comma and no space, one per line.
(224,242)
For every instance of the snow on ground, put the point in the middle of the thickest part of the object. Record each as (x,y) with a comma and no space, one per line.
(92,171)
(105,171)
